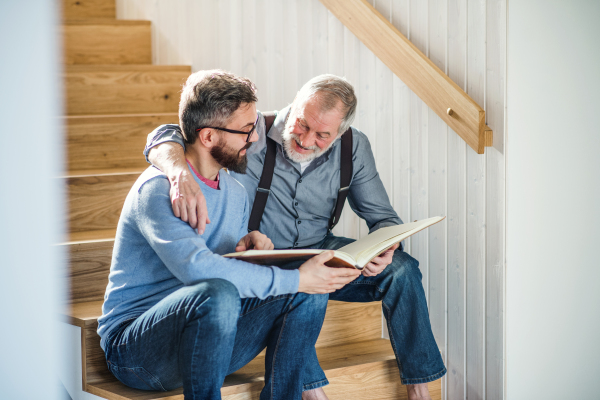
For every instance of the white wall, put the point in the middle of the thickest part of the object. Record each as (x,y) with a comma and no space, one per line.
(30,200)
(426,168)
(553,200)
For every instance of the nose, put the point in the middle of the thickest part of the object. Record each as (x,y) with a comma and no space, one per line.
(308,139)
(253,136)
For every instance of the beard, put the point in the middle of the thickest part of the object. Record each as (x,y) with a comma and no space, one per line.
(292,154)
(230,158)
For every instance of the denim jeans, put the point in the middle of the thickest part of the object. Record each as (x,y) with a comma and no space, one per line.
(404,306)
(197,335)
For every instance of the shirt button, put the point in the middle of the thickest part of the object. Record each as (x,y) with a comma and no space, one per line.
(296,244)
(296,203)
(299,222)
(300,181)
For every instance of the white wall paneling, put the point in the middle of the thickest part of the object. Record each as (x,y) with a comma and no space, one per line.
(426,168)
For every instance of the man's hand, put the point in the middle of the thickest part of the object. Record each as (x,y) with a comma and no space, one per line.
(318,278)
(254,240)
(379,263)
(188,200)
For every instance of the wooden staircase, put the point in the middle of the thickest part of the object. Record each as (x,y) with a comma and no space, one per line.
(114,98)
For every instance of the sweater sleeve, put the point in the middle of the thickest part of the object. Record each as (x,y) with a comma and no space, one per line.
(162,134)
(187,256)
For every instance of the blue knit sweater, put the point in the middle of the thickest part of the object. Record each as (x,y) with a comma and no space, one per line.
(156,253)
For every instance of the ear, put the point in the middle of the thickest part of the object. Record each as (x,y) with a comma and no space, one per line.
(208,137)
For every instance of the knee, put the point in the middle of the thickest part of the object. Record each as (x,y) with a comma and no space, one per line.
(314,304)
(217,302)
(405,267)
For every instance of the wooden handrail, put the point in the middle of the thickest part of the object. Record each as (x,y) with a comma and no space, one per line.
(417,71)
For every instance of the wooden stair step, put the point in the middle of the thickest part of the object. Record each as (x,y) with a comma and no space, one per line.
(107,41)
(95,201)
(344,322)
(361,370)
(123,89)
(110,141)
(79,9)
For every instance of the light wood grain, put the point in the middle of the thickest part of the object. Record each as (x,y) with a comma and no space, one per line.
(418,72)
(364,370)
(95,201)
(123,89)
(92,236)
(89,266)
(112,141)
(79,9)
(104,41)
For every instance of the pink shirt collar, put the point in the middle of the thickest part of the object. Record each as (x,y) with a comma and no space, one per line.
(212,184)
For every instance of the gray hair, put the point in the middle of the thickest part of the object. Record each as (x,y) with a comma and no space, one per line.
(209,98)
(331,90)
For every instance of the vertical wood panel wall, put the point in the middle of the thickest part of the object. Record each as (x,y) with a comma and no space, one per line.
(426,168)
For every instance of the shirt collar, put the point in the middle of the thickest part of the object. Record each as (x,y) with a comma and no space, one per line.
(276,131)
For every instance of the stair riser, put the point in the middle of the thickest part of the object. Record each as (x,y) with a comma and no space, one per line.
(80,9)
(126,91)
(89,265)
(110,142)
(107,44)
(95,202)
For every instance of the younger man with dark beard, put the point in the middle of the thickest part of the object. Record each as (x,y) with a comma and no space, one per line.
(176,312)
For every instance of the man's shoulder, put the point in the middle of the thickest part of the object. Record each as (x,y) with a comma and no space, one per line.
(152,179)
(232,185)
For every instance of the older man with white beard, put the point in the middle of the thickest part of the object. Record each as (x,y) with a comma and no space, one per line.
(298,213)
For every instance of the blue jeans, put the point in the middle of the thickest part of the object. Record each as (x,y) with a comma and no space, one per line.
(197,335)
(400,289)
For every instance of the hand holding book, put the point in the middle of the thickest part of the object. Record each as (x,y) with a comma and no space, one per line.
(355,255)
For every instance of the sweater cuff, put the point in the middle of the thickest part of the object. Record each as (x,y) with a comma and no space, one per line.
(287,280)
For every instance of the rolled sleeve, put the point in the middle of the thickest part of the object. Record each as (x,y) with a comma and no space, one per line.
(162,134)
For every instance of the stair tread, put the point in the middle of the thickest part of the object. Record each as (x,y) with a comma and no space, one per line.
(105,21)
(334,360)
(124,67)
(116,116)
(104,172)
(91,236)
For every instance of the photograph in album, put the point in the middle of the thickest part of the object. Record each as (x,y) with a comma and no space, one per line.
(355,255)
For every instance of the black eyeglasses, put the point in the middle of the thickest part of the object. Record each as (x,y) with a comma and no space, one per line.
(233,131)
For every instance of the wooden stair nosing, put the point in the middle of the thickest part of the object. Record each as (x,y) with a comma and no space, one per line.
(336,361)
(343,322)
(90,236)
(105,21)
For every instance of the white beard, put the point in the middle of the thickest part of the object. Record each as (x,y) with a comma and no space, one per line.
(292,154)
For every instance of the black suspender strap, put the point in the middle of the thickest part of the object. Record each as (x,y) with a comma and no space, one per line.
(264,186)
(345,177)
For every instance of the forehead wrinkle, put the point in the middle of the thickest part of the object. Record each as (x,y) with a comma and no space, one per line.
(317,122)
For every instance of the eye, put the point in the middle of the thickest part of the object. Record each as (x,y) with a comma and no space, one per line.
(302,125)
(321,136)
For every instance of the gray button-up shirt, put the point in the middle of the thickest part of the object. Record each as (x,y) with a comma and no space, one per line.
(300,204)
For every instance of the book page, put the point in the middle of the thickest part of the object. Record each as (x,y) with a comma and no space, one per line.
(283,257)
(369,247)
